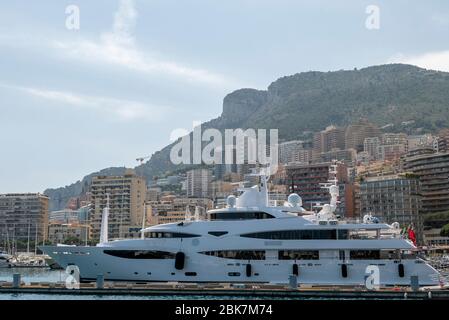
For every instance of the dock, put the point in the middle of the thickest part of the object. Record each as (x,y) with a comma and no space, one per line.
(224,290)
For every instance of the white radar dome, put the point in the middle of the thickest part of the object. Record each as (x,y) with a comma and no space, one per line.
(295,200)
(231,201)
(395,225)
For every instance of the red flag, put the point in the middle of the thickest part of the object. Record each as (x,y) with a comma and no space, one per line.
(412,236)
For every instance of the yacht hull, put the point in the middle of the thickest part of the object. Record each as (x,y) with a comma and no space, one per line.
(92,261)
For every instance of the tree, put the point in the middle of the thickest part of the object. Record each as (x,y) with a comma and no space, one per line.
(445,231)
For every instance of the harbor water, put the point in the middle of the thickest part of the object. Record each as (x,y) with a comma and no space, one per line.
(29,275)
(39,275)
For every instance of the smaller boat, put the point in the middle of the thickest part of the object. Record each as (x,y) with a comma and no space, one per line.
(4,260)
(28,261)
(52,263)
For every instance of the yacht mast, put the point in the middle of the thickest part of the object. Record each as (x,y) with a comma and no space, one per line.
(28,237)
(105,222)
(142,236)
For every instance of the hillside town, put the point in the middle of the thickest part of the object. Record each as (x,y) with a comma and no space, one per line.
(395,177)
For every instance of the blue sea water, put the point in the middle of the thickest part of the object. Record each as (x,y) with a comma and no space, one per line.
(29,275)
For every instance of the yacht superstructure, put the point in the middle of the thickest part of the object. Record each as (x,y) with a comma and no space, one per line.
(250,241)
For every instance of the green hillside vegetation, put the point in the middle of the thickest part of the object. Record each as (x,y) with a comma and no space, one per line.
(310,101)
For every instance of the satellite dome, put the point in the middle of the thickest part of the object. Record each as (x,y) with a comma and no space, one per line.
(231,201)
(295,200)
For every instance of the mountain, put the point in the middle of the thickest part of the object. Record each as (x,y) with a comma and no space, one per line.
(309,101)
(60,196)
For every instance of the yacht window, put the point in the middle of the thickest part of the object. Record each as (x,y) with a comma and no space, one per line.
(170,235)
(390,254)
(364,254)
(218,233)
(343,234)
(140,254)
(324,234)
(237,254)
(239,215)
(298,255)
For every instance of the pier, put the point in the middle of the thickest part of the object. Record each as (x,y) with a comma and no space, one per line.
(222,290)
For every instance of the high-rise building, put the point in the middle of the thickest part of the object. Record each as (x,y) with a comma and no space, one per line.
(393,146)
(23,217)
(307,180)
(433,172)
(68,216)
(347,156)
(68,232)
(389,152)
(329,139)
(153,194)
(371,146)
(356,134)
(126,199)
(199,183)
(443,140)
(64,216)
(394,138)
(392,199)
(420,141)
(289,151)
(173,209)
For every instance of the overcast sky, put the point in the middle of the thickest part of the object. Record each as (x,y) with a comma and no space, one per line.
(76,101)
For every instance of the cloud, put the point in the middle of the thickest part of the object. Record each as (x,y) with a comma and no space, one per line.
(118,47)
(437,60)
(441,19)
(124,110)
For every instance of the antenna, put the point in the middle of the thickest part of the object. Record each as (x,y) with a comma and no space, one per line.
(142,236)
(332,186)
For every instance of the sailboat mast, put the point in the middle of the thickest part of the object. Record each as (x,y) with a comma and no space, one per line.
(28,236)
(35,239)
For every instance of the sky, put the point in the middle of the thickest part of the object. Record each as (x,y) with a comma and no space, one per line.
(76,100)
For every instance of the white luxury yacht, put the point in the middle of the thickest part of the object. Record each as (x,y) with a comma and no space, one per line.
(251,241)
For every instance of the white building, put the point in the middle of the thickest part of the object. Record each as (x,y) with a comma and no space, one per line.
(371,147)
(64,216)
(419,141)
